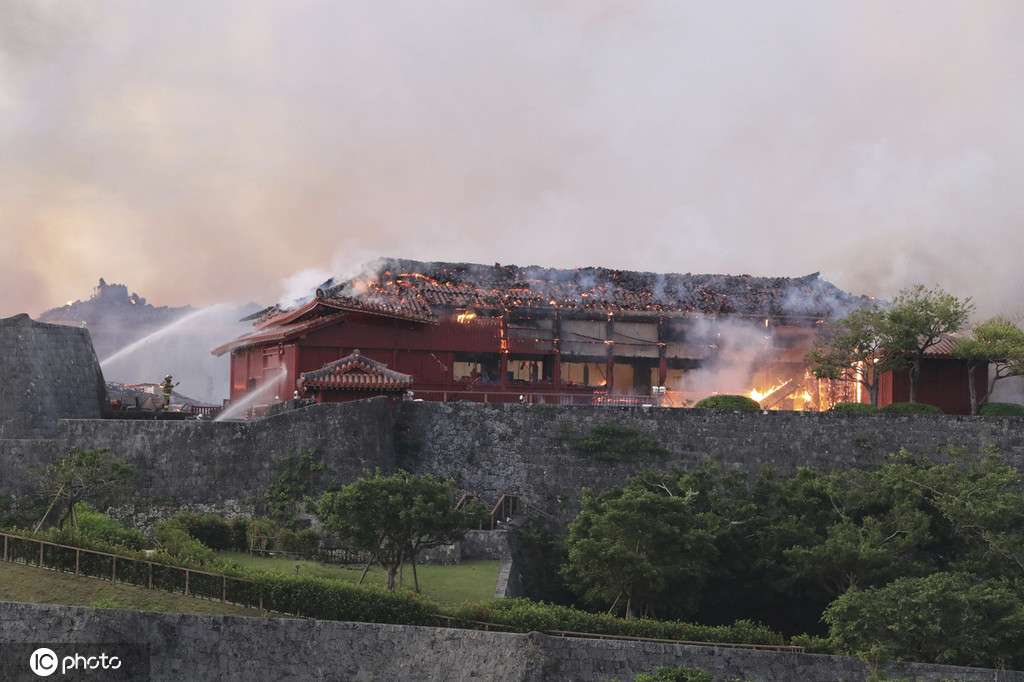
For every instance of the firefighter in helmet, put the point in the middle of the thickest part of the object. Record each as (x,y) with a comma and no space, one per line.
(168,387)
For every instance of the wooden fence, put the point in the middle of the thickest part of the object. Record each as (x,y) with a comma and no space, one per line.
(228,589)
(131,571)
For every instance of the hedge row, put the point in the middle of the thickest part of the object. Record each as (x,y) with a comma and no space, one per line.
(326,599)
(523,615)
(306,595)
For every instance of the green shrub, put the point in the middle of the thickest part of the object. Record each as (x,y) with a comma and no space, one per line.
(239,534)
(23,511)
(680,674)
(910,408)
(1001,410)
(728,402)
(523,615)
(259,534)
(210,529)
(174,541)
(101,527)
(853,407)
(310,541)
(813,644)
(612,442)
(285,541)
(946,618)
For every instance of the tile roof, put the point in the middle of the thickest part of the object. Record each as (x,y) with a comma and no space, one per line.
(418,291)
(283,325)
(354,372)
(943,348)
(415,285)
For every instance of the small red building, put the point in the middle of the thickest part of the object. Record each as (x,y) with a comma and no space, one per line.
(943,381)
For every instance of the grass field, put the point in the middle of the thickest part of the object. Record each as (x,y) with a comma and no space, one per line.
(39,586)
(469,581)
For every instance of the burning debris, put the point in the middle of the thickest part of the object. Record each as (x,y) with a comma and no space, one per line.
(420,289)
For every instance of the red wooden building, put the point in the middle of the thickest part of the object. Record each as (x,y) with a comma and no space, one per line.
(943,381)
(503,333)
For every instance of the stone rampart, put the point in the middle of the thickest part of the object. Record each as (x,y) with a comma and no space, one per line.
(219,464)
(233,649)
(494,449)
(47,372)
(489,450)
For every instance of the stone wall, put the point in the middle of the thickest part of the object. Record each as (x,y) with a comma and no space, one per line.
(232,649)
(226,465)
(47,372)
(494,449)
(488,450)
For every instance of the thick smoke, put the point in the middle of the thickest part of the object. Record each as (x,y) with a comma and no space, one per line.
(206,150)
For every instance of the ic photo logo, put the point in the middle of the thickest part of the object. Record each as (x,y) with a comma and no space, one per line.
(44,662)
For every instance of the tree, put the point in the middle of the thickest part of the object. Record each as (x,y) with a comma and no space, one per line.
(947,618)
(857,348)
(996,342)
(918,319)
(393,518)
(83,475)
(640,548)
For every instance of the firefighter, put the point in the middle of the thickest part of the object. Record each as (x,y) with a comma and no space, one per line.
(168,387)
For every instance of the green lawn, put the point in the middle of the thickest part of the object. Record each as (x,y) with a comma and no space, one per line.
(469,581)
(39,586)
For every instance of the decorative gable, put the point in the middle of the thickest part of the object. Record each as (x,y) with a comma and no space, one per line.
(354,372)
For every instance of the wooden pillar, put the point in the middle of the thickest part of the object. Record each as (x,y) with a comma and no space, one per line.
(503,349)
(449,371)
(662,350)
(609,335)
(556,344)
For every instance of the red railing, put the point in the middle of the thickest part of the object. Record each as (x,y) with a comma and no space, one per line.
(534,397)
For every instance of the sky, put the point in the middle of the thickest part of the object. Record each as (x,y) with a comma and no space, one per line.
(227,151)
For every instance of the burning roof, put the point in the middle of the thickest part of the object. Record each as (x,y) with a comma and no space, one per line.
(416,287)
(419,292)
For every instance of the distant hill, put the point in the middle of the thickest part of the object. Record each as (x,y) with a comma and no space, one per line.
(138,343)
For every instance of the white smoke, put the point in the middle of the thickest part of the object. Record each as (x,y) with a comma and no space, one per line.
(738,349)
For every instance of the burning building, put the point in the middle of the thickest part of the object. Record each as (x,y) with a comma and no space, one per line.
(590,335)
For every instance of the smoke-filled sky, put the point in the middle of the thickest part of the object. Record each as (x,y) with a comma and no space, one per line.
(204,151)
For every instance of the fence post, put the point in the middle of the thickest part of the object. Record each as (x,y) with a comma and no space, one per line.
(78,556)
(40,554)
(113,570)
(186,582)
